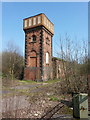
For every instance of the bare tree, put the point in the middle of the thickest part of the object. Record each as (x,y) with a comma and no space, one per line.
(74,60)
(12,62)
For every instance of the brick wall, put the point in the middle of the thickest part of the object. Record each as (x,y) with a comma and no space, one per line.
(47,48)
(35,54)
(57,68)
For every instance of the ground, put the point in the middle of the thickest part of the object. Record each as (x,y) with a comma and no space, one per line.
(28,99)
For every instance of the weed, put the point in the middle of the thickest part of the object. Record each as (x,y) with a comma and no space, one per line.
(52,98)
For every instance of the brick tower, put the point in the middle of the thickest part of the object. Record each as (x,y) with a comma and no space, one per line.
(39,31)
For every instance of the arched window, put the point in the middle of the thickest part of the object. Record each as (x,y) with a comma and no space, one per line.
(47,58)
(34,38)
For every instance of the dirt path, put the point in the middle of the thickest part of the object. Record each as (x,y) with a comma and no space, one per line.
(20,87)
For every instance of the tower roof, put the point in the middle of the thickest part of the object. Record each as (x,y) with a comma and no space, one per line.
(38,20)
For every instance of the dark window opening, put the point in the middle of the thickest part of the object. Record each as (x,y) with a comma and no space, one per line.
(34,38)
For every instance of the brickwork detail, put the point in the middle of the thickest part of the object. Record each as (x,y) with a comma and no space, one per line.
(35,54)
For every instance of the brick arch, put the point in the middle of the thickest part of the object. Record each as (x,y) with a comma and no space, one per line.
(33,53)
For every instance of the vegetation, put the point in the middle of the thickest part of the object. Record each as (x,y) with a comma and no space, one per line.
(52,81)
(52,98)
(74,64)
(12,63)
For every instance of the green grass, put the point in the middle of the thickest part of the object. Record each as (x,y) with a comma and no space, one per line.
(52,81)
(52,98)
(62,96)
(34,82)
(27,81)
